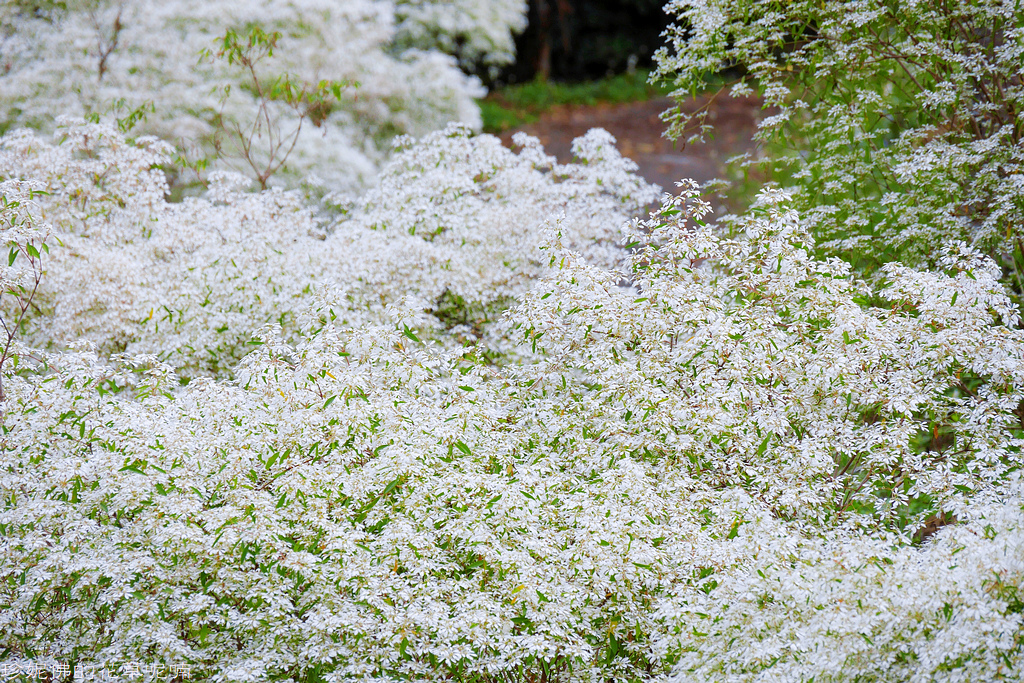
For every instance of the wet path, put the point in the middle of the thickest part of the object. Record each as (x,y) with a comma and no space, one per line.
(638,129)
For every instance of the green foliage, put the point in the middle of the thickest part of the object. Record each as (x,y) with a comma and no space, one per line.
(898,128)
(43,9)
(263,143)
(498,118)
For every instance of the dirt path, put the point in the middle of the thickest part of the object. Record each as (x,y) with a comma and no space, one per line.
(638,129)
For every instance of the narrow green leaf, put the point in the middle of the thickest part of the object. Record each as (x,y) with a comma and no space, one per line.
(410,334)
(391,487)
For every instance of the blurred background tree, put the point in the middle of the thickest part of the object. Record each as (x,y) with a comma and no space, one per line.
(586,39)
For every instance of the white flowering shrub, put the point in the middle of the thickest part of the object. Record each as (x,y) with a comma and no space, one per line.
(457,221)
(103,55)
(898,126)
(716,473)
(803,437)
(858,609)
(477,33)
(454,224)
(190,281)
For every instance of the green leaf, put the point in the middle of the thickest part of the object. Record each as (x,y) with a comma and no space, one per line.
(522,621)
(391,487)
(410,334)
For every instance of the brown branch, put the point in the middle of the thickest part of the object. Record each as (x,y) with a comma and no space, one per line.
(106,51)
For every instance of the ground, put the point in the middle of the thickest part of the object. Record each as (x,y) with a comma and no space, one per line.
(639,130)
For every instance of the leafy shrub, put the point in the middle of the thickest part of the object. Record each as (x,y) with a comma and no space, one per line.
(898,126)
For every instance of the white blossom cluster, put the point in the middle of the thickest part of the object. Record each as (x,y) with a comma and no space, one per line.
(478,33)
(745,464)
(900,126)
(457,222)
(191,282)
(113,56)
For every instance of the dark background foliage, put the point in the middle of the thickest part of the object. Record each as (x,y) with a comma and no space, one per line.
(586,39)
